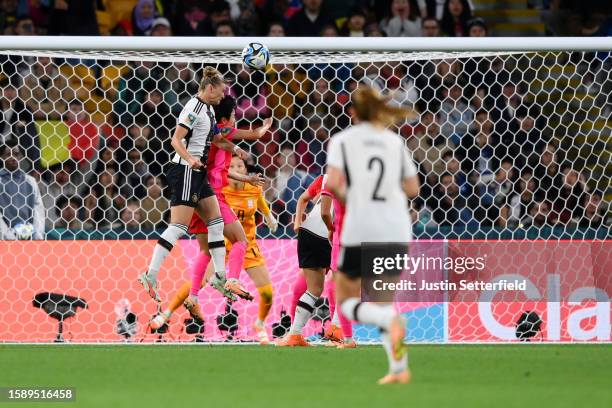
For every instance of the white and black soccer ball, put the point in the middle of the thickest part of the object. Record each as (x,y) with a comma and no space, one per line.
(23,231)
(256,56)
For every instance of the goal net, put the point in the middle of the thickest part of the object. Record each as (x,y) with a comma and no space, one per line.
(513,152)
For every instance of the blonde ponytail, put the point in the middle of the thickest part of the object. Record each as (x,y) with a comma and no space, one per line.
(211,76)
(371,106)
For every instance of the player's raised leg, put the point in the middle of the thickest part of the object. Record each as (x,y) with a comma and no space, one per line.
(180,216)
(391,324)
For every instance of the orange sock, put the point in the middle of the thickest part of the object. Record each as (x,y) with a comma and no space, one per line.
(179,297)
(265,301)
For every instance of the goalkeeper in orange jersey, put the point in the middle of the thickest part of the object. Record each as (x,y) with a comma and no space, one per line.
(244,199)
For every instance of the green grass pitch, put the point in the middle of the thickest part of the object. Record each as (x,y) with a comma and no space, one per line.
(524,375)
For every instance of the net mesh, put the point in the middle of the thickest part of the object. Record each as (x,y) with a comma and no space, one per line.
(508,146)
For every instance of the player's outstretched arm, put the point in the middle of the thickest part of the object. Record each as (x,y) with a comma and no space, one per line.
(253,134)
(255,179)
(224,144)
(270,219)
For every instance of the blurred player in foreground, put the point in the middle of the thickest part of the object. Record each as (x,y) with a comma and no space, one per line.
(371,170)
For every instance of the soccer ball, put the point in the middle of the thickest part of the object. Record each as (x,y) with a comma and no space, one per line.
(256,56)
(23,230)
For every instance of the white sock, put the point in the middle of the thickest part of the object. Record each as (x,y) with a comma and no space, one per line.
(368,313)
(335,318)
(168,313)
(165,243)
(395,366)
(303,312)
(216,245)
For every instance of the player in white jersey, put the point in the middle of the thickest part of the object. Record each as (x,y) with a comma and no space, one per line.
(314,254)
(189,185)
(369,168)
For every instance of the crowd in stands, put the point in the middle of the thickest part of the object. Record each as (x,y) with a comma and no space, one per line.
(355,18)
(485,152)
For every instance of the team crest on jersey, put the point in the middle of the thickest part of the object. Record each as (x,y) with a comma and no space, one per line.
(194,197)
(191,118)
(250,203)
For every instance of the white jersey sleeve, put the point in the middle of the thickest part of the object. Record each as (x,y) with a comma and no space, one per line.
(335,157)
(188,117)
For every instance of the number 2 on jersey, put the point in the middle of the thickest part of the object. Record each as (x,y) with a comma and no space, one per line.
(381,174)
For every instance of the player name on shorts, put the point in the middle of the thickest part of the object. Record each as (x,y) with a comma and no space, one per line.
(446,285)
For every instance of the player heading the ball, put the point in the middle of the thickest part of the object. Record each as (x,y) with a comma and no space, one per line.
(190,189)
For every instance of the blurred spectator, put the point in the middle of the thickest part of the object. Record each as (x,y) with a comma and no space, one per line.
(143,17)
(317,136)
(289,182)
(250,94)
(521,199)
(17,124)
(67,210)
(109,200)
(142,137)
(430,27)
(276,29)
(505,107)
(477,149)
(55,183)
(428,146)
(538,215)
(154,205)
(404,21)
(91,213)
(8,16)
(477,27)
(84,136)
(547,173)
(455,114)
(594,211)
(20,198)
(247,21)
(134,86)
(447,206)
(329,30)
(354,25)
(130,217)
(373,30)
(191,19)
(160,28)
(135,171)
(455,17)
(24,26)
(309,21)
(73,17)
(501,189)
(46,90)
(568,207)
(453,167)
(225,29)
